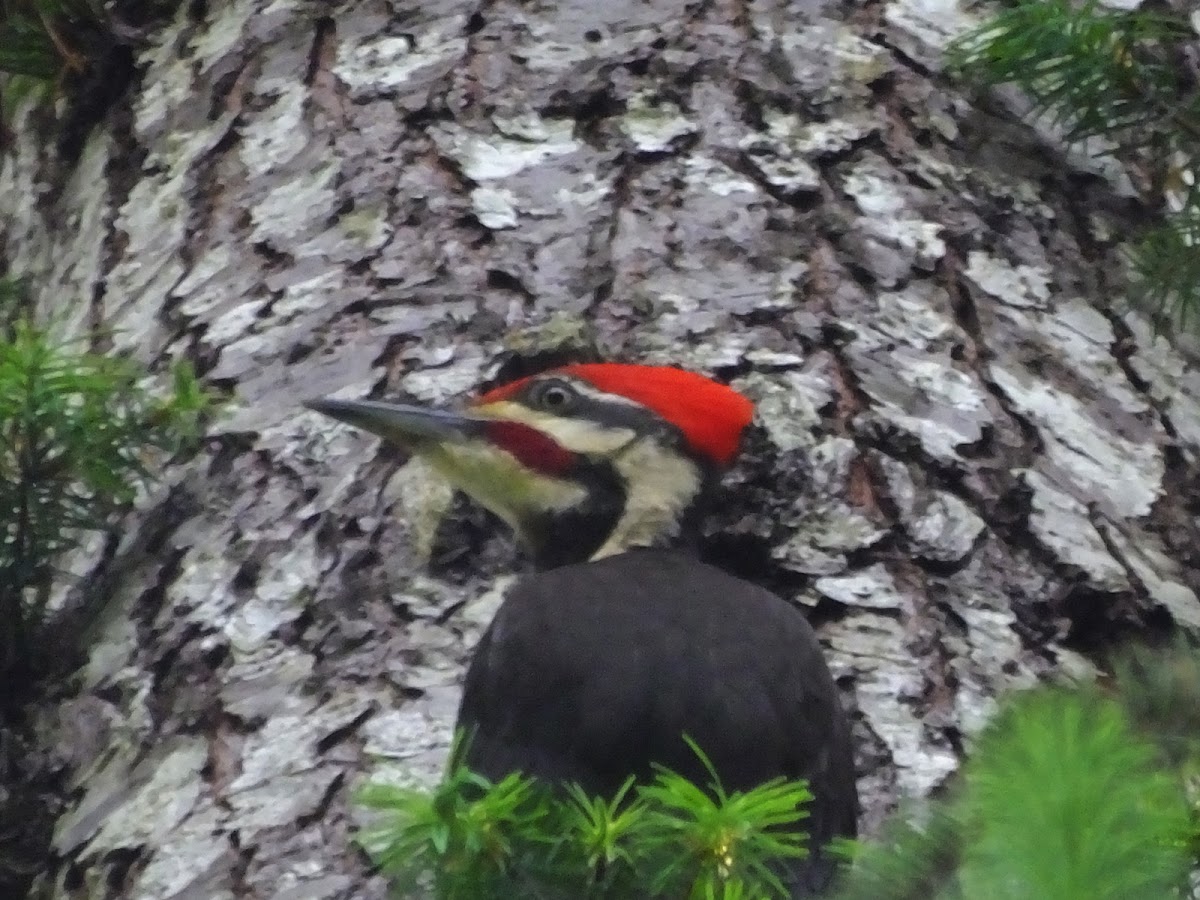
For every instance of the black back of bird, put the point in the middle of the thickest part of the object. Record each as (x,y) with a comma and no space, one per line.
(592,672)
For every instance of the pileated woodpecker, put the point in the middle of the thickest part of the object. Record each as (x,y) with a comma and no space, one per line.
(597,665)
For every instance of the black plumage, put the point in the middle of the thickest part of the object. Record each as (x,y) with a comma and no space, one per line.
(591,672)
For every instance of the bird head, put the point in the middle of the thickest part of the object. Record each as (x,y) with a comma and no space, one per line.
(582,461)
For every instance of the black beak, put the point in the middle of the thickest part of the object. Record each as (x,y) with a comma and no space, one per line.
(406,425)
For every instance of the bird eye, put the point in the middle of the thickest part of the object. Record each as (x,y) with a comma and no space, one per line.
(555,396)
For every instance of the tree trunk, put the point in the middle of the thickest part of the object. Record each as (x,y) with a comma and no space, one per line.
(971,468)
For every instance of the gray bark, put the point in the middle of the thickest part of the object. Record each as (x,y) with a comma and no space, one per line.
(971,464)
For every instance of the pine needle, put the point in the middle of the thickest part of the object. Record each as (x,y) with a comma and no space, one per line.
(1118,75)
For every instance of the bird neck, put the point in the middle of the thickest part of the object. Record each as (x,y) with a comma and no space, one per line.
(645,498)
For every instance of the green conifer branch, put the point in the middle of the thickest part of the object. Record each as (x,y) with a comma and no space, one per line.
(1064,799)
(470,838)
(80,432)
(1119,76)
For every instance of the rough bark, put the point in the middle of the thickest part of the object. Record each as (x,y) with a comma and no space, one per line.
(970,466)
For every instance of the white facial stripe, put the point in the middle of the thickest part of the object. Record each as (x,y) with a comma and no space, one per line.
(582,436)
(662,485)
(595,393)
(497,481)
(576,435)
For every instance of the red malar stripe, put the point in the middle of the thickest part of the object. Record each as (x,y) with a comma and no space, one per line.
(531,448)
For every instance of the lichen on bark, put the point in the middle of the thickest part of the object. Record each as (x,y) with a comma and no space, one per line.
(969,468)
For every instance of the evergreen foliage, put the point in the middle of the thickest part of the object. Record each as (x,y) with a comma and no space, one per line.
(79,433)
(80,50)
(1067,795)
(470,838)
(45,39)
(1122,76)
(1062,799)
